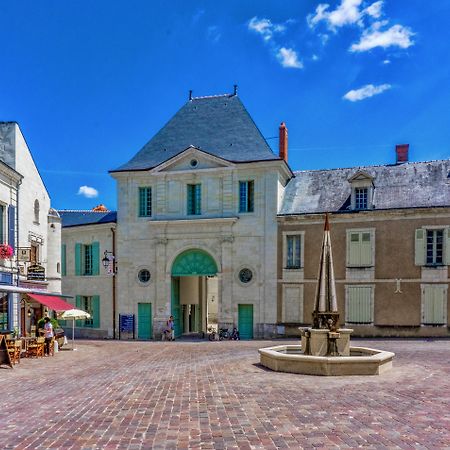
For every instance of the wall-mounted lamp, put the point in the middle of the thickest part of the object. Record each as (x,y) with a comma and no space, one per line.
(108,261)
(212,299)
(29,312)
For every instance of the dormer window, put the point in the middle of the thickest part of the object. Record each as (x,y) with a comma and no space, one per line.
(361,198)
(362,190)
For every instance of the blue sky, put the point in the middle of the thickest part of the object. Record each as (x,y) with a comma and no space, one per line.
(90,82)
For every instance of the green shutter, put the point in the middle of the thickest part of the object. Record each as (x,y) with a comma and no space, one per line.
(434,305)
(354,250)
(78,259)
(63,260)
(359,305)
(420,247)
(366,249)
(198,199)
(95,258)
(447,246)
(95,311)
(78,323)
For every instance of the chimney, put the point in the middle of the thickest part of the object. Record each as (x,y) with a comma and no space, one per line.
(283,142)
(401,152)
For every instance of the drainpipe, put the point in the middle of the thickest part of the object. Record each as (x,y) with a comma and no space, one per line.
(114,280)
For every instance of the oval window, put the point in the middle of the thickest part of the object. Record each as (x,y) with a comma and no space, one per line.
(144,276)
(194,163)
(245,276)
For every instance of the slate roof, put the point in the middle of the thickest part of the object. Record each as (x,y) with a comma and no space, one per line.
(409,185)
(219,125)
(71,218)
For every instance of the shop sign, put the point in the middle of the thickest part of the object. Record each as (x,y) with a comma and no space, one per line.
(24,254)
(36,272)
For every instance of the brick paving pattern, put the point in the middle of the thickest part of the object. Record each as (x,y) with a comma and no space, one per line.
(214,395)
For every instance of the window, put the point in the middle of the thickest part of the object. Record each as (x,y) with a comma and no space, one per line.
(432,246)
(144,276)
(360,251)
(359,305)
(34,254)
(87,260)
(145,201)
(435,247)
(245,275)
(3,311)
(36,211)
(434,304)
(90,304)
(293,255)
(194,199)
(246,196)
(361,198)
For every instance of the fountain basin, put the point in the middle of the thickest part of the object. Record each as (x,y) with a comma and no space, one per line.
(362,361)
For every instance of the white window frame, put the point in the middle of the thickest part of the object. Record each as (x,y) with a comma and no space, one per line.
(422,305)
(302,250)
(349,231)
(348,287)
(423,250)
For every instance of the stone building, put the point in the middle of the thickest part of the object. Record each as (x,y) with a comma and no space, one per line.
(31,227)
(196,224)
(390,228)
(86,236)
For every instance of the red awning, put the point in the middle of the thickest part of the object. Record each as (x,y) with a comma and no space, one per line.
(52,302)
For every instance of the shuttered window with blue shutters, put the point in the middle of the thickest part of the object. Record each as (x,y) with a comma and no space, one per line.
(87,259)
(145,201)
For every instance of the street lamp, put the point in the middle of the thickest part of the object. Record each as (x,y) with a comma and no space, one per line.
(107,259)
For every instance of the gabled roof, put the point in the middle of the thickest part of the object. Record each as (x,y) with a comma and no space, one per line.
(71,218)
(410,185)
(219,125)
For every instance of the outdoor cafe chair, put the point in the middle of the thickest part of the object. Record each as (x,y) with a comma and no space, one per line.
(14,350)
(36,348)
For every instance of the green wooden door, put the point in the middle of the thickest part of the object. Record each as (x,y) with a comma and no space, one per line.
(245,321)
(176,308)
(145,325)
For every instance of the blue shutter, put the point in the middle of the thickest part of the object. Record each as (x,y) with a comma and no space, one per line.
(95,258)
(2,218)
(12,226)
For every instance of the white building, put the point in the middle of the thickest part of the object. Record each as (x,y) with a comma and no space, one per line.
(33,230)
(196,224)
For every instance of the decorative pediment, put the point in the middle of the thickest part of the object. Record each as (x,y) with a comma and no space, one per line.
(361,175)
(192,159)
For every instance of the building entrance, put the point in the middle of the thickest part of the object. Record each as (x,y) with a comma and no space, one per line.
(194,292)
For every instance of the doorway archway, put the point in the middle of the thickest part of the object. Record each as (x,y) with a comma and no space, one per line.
(188,298)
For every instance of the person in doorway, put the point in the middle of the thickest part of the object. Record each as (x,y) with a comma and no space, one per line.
(48,334)
(169,332)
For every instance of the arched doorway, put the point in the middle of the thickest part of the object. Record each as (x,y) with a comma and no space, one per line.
(192,271)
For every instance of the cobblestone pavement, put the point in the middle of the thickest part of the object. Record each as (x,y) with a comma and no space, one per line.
(214,395)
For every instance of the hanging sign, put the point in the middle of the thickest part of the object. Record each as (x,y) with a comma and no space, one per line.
(24,254)
(36,272)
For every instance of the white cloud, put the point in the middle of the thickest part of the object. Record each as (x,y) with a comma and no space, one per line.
(213,34)
(315,58)
(369,90)
(397,35)
(374,10)
(289,58)
(265,27)
(88,192)
(387,61)
(346,13)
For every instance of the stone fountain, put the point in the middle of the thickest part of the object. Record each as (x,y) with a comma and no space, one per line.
(325,347)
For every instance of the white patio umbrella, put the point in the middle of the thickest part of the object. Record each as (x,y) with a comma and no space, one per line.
(74,314)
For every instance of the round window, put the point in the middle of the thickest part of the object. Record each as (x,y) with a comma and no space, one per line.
(144,276)
(194,163)
(245,275)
